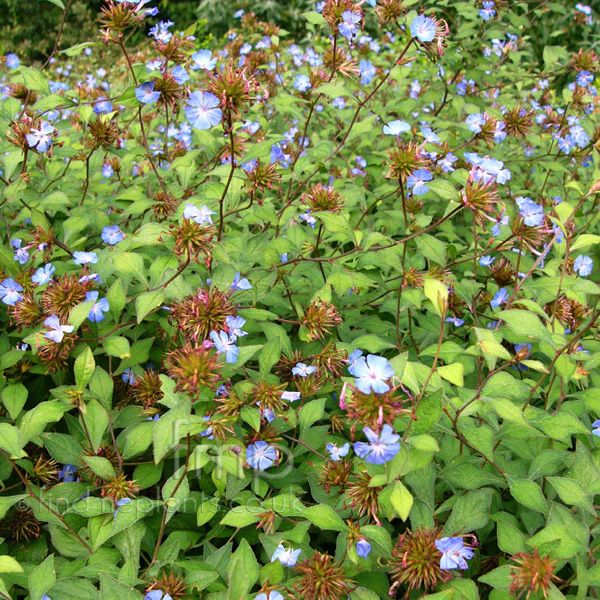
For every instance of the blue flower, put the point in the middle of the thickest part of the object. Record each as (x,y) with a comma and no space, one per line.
(21,254)
(349,25)
(487,12)
(67,473)
(354,356)
(57,331)
(203,60)
(240,284)
(128,376)
(90,277)
(499,297)
(396,127)
(83,258)
(12,61)
(273,595)
(486,261)
(455,321)
(102,106)
(199,215)
(157,595)
(429,135)
(583,265)
(302,83)
(423,28)
(381,449)
(371,374)
(579,136)
(337,453)
(260,455)
(308,218)
(475,122)
(40,138)
(290,396)
(239,14)
(303,370)
(363,548)
(107,171)
(145,93)
(112,235)
(454,553)
(278,155)
(98,309)
(584,78)
(180,75)
(533,214)
(9,292)
(225,345)
(286,556)
(202,110)
(367,72)
(596,427)
(234,326)
(417,180)
(43,274)
(284,257)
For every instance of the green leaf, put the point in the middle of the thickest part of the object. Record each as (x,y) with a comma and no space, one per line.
(84,368)
(585,240)
(14,396)
(96,420)
(526,325)
(206,511)
(62,448)
(258,314)
(100,466)
(146,303)
(571,492)
(79,48)
(80,313)
(371,343)
(7,501)
(111,589)
(41,579)
(35,80)
(324,517)
(249,563)
(528,493)
(170,428)
(58,3)
(432,248)
(9,565)
(452,373)
(437,293)
(314,18)
(130,263)
(310,413)
(116,298)
(35,420)
(553,55)
(269,355)
(117,346)
(499,578)
(470,512)
(401,500)
(251,415)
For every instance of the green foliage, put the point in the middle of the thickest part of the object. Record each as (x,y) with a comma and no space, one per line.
(293,342)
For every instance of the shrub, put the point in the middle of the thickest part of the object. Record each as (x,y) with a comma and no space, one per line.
(313,319)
